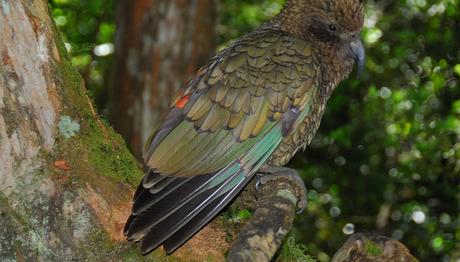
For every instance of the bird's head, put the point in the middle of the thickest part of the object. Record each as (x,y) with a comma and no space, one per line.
(332,25)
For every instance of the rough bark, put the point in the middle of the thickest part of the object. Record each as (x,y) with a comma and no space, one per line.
(372,247)
(66,177)
(261,238)
(159,46)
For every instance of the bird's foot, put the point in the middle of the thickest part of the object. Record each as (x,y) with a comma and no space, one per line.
(273,173)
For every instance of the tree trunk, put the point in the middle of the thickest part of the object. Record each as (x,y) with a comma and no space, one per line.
(65,178)
(159,46)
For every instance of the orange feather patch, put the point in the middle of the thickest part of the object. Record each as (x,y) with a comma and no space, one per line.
(181,102)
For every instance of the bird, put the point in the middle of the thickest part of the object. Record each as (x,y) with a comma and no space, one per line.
(249,110)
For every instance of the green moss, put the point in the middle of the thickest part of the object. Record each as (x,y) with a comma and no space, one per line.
(232,220)
(293,252)
(233,215)
(132,254)
(96,148)
(229,237)
(109,155)
(372,248)
(98,245)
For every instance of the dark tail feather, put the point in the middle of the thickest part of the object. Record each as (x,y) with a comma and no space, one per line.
(182,207)
(151,199)
(172,222)
(139,191)
(162,231)
(162,184)
(201,219)
(192,227)
(152,178)
(128,224)
(149,209)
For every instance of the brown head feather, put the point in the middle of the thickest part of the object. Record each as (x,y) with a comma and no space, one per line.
(298,15)
(330,26)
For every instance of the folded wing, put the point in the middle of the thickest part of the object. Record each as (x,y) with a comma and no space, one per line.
(222,128)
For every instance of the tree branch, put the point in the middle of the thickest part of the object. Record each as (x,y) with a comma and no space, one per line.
(373,247)
(261,237)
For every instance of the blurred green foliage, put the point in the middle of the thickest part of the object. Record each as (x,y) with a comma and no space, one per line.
(88,28)
(242,16)
(387,156)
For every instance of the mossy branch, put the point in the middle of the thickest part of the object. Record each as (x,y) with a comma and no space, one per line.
(261,238)
(373,247)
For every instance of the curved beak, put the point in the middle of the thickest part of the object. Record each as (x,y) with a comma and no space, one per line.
(358,54)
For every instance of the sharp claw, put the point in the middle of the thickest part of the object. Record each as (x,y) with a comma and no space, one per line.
(258,184)
(302,205)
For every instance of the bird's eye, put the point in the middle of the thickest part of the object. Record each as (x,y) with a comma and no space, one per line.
(332,28)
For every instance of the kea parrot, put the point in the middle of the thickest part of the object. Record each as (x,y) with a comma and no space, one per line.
(248,111)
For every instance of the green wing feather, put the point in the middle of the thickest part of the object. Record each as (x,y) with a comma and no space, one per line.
(229,120)
(242,91)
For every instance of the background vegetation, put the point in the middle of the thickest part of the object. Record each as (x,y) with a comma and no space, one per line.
(387,156)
